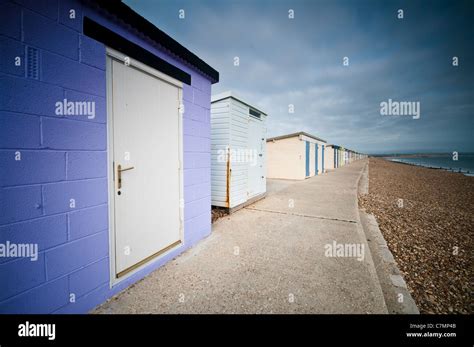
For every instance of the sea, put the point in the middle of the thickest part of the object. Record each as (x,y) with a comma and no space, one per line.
(464,164)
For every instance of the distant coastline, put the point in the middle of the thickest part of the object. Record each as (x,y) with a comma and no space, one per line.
(419,155)
(464,163)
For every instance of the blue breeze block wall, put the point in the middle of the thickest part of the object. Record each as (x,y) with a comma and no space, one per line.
(54,168)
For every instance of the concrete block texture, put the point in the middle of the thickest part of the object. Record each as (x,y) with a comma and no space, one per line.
(56,196)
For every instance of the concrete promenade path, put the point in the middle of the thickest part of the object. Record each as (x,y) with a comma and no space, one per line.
(270,257)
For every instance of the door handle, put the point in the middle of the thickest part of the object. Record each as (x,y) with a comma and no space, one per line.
(126,169)
(119,174)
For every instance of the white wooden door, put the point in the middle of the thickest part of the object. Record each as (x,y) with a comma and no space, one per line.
(256,143)
(146,144)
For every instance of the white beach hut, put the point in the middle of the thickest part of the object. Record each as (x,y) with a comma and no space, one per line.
(329,158)
(238,156)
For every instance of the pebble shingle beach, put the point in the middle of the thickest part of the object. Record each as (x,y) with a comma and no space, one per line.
(426,217)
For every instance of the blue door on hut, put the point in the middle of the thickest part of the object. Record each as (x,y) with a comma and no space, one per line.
(322,158)
(316,159)
(307,158)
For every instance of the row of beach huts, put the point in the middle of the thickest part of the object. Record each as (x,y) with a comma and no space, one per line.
(113,152)
(243,157)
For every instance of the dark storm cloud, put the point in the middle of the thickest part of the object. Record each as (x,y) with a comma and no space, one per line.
(299,62)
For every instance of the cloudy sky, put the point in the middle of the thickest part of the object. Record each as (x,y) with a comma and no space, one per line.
(299,61)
